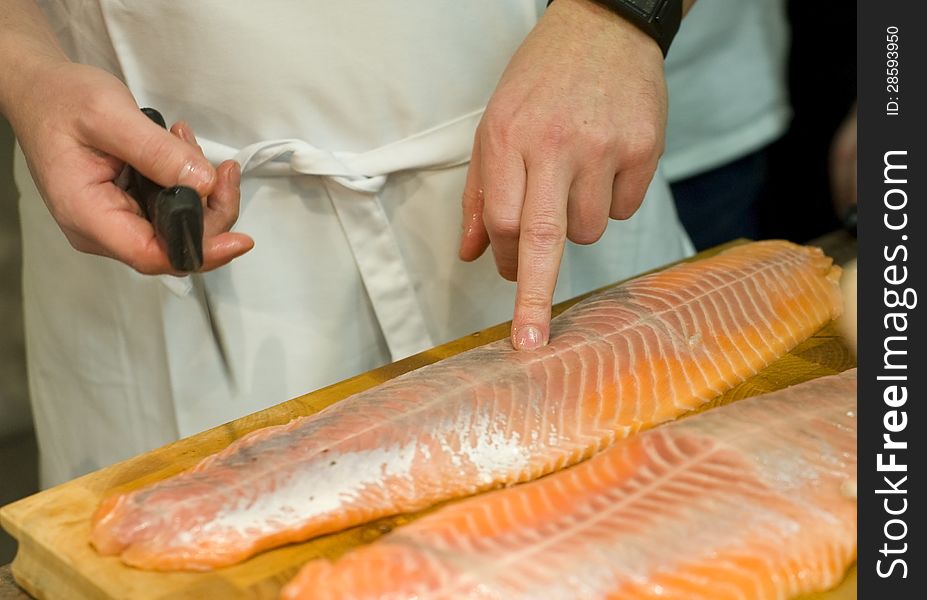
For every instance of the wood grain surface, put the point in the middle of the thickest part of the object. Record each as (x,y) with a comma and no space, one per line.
(55,559)
(8,588)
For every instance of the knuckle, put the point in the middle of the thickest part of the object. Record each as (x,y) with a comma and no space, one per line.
(586,234)
(95,108)
(658,149)
(226,210)
(226,224)
(234,213)
(586,221)
(625,208)
(533,301)
(506,263)
(598,144)
(77,243)
(556,135)
(644,145)
(509,273)
(545,234)
(502,227)
(498,132)
(59,205)
(141,266)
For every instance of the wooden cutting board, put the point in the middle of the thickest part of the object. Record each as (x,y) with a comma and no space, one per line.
(55,559)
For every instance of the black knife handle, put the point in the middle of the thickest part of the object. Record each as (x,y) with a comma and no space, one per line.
(176,214)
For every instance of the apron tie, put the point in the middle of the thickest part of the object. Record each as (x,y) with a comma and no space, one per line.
(353,182)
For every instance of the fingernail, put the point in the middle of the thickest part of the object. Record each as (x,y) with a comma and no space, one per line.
(235,173)
(527,337)
(185,132)
(196,176)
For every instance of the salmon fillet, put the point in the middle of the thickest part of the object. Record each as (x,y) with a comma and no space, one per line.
(754,500)
(628,358)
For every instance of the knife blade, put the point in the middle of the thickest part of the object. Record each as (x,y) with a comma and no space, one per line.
(176,213)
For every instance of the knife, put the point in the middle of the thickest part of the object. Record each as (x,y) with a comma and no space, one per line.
(176,213)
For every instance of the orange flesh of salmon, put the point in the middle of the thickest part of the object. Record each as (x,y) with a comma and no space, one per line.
(746,501)
(629,358)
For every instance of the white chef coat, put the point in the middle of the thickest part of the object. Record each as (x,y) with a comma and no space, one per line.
(727,84)
(353,121)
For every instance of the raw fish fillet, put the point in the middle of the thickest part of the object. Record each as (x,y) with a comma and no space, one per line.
(631,357)
(754,500)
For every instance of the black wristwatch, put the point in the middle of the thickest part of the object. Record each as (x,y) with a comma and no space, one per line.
(659,19)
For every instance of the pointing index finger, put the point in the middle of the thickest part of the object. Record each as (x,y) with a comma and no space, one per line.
(540,250)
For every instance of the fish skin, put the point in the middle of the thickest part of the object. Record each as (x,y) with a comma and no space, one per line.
(746,501)
(628,358)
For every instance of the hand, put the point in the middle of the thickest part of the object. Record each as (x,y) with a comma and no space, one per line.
(78,126)
(570,137)
(843,165)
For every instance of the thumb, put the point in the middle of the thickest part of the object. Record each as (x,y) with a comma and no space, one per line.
(161,157)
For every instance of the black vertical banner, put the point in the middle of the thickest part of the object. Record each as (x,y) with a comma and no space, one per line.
(892,171)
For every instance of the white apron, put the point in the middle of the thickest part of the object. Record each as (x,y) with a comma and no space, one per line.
(353,122)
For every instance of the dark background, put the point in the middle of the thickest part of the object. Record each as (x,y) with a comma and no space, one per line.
(822,85)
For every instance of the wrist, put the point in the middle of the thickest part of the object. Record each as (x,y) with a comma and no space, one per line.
(24,65)
(595,26)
